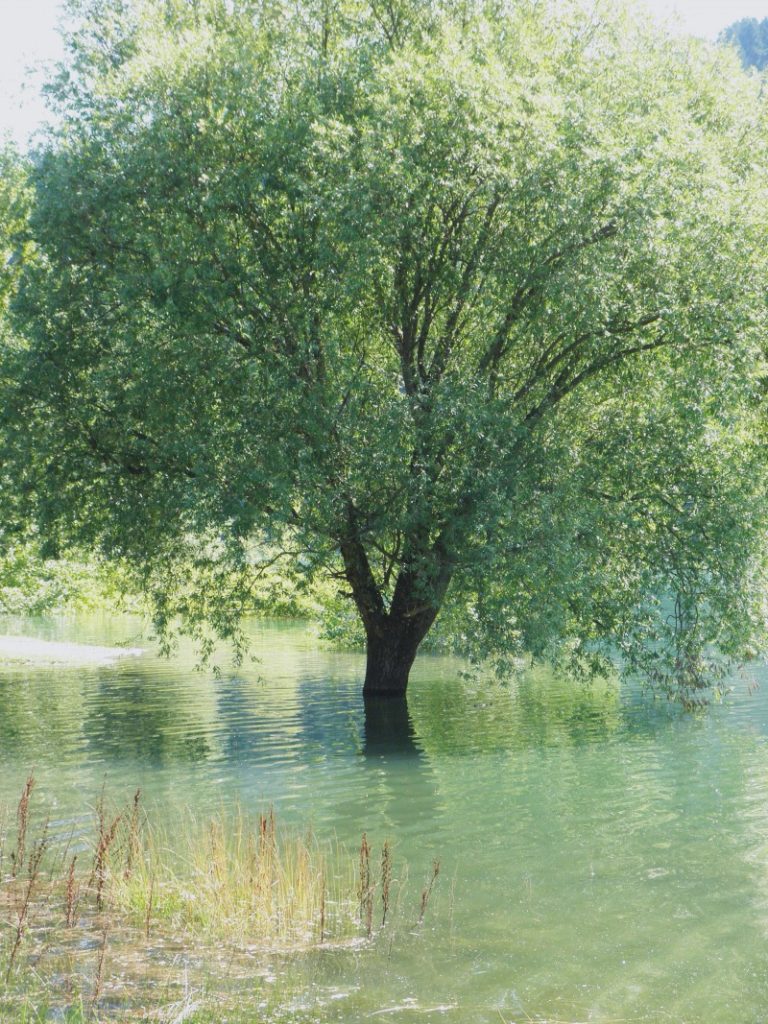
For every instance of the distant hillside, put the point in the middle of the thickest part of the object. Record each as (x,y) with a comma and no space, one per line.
(750,36)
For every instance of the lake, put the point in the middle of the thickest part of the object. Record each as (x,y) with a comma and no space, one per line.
(604,856)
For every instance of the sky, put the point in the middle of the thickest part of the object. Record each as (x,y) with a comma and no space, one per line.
(28,38)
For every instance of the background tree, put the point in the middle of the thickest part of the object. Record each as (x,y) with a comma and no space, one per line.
(14,247)
(750,37)
(460,305)
(27,582)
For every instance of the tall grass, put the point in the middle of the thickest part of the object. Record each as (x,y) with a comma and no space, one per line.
(92,923)
(246,881)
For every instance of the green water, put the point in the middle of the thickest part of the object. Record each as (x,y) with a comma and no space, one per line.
(604,857)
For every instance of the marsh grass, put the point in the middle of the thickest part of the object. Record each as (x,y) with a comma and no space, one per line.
(243,881)
(96,923)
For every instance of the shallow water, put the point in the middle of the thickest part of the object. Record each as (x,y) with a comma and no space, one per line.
(604,857)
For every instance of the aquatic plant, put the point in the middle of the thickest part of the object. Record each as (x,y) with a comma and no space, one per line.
(96,923)
(247,881)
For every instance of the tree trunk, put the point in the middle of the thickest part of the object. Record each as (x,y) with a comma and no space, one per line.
(391,651)
(393,635)
(389,729)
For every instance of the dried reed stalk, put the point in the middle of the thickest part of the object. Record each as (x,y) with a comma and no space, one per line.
(386,880)
(427,892)
(22,915)
(73,890)
(22,819)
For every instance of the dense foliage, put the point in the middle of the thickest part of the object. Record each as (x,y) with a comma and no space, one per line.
(459,305)
(750,37)
(31,584)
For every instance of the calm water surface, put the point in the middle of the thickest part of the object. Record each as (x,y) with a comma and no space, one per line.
(604,857)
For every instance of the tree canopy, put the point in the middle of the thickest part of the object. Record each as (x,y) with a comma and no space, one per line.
(461,305)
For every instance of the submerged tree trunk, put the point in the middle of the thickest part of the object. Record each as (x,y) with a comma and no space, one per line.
(394,634)
(391,652)
(388,665)
(389,729)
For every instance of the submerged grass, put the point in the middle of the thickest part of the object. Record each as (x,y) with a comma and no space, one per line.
(100,924)
(236,879)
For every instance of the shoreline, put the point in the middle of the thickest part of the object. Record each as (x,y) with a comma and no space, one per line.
(30,650)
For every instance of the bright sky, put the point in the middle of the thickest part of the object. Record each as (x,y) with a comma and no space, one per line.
(709,17)
(28,38)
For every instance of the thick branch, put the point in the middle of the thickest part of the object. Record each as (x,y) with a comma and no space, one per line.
(548,362)
(565,384)
(448,336)
(533,285)
(358,572)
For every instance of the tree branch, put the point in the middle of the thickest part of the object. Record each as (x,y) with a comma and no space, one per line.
(359,575)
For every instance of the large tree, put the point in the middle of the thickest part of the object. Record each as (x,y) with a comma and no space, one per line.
(459,304)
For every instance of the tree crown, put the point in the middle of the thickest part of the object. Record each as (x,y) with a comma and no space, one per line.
(458,303)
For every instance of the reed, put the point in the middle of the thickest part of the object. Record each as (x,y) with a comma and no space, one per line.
(26,903)
(365,886)
(71,894)
(426,892)
(98,983)
(134,826)
(22,819)
(386,880)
